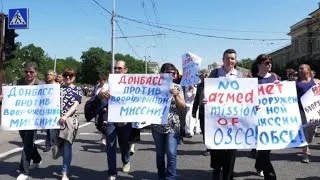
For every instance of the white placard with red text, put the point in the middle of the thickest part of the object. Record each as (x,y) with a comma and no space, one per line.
(139,98)
(191,67)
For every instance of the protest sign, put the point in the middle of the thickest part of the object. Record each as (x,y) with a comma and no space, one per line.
(279,121)
(191,67)
(139,98)
(311,105)
(31,107)
(230,113)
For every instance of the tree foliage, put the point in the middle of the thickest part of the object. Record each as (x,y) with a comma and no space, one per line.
(93,63)
(245,63)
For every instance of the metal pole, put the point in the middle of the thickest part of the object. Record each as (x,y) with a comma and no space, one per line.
(146,67)
(2,53)
(55,64)
(112,36)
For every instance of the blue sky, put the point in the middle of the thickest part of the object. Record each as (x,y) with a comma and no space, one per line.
(68,27)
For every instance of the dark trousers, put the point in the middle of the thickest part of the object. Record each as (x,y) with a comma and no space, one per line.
(48,138)
(134,135)
(263,163)
(201,119)
(224,159)
(30,151)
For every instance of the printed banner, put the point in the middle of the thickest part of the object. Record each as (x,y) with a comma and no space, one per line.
(30,107)
(311,105)
(191,67)
(279,118)
(230,113)
(139,98)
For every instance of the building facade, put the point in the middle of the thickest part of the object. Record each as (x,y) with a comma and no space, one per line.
(305,41)
(154,66)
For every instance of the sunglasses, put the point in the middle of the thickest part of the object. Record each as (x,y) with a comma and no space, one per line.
(267,63)
(171,72)
(31,72)
(117,68)
(68,75)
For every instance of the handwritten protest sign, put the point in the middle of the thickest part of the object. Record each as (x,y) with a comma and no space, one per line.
(30,107)
(230,113)
(279,118)
(311,105)
(191,67)
(139,98)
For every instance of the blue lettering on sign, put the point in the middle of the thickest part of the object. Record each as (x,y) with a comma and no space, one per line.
(277,121)
(280,137)
(225,85)
(38,123)
(233,111)
(235,136)
(149,111)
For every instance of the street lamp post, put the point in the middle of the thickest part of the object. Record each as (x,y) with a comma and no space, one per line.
(145,58)
(146,63)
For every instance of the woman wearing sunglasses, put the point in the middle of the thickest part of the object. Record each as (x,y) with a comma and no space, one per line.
(261,69)
(70,99)
(166,137)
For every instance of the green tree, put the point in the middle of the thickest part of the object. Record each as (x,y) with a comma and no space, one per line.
(94,64)
(245,63)
(22,55)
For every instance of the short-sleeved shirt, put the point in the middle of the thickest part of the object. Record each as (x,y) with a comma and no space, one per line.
(173,125)
(69,96)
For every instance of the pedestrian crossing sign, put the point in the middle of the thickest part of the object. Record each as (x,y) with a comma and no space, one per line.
(18,18)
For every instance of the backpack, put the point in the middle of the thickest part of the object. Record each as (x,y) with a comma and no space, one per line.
(90,108)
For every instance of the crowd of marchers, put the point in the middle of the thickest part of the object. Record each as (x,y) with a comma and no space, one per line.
(186,118)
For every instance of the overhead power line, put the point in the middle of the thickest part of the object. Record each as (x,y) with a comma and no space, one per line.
(102,7)
(191,33)
(134,51)
(147,35)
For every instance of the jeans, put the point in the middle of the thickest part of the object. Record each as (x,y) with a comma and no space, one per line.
(67,156)
(123,133)
(166,144)
(30,151)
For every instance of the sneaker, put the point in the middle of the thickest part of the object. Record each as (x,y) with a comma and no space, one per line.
(103,140)
(64,177)
(260,173)
(22,177)
(112,177)
(305,160)
(132,150)
(126,168)
(35,165)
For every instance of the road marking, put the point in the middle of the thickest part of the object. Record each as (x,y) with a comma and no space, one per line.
(39,141)
(85,124)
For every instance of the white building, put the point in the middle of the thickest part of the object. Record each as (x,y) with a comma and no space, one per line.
(153,66)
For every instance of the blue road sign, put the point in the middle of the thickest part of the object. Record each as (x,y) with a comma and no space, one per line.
(18,18)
